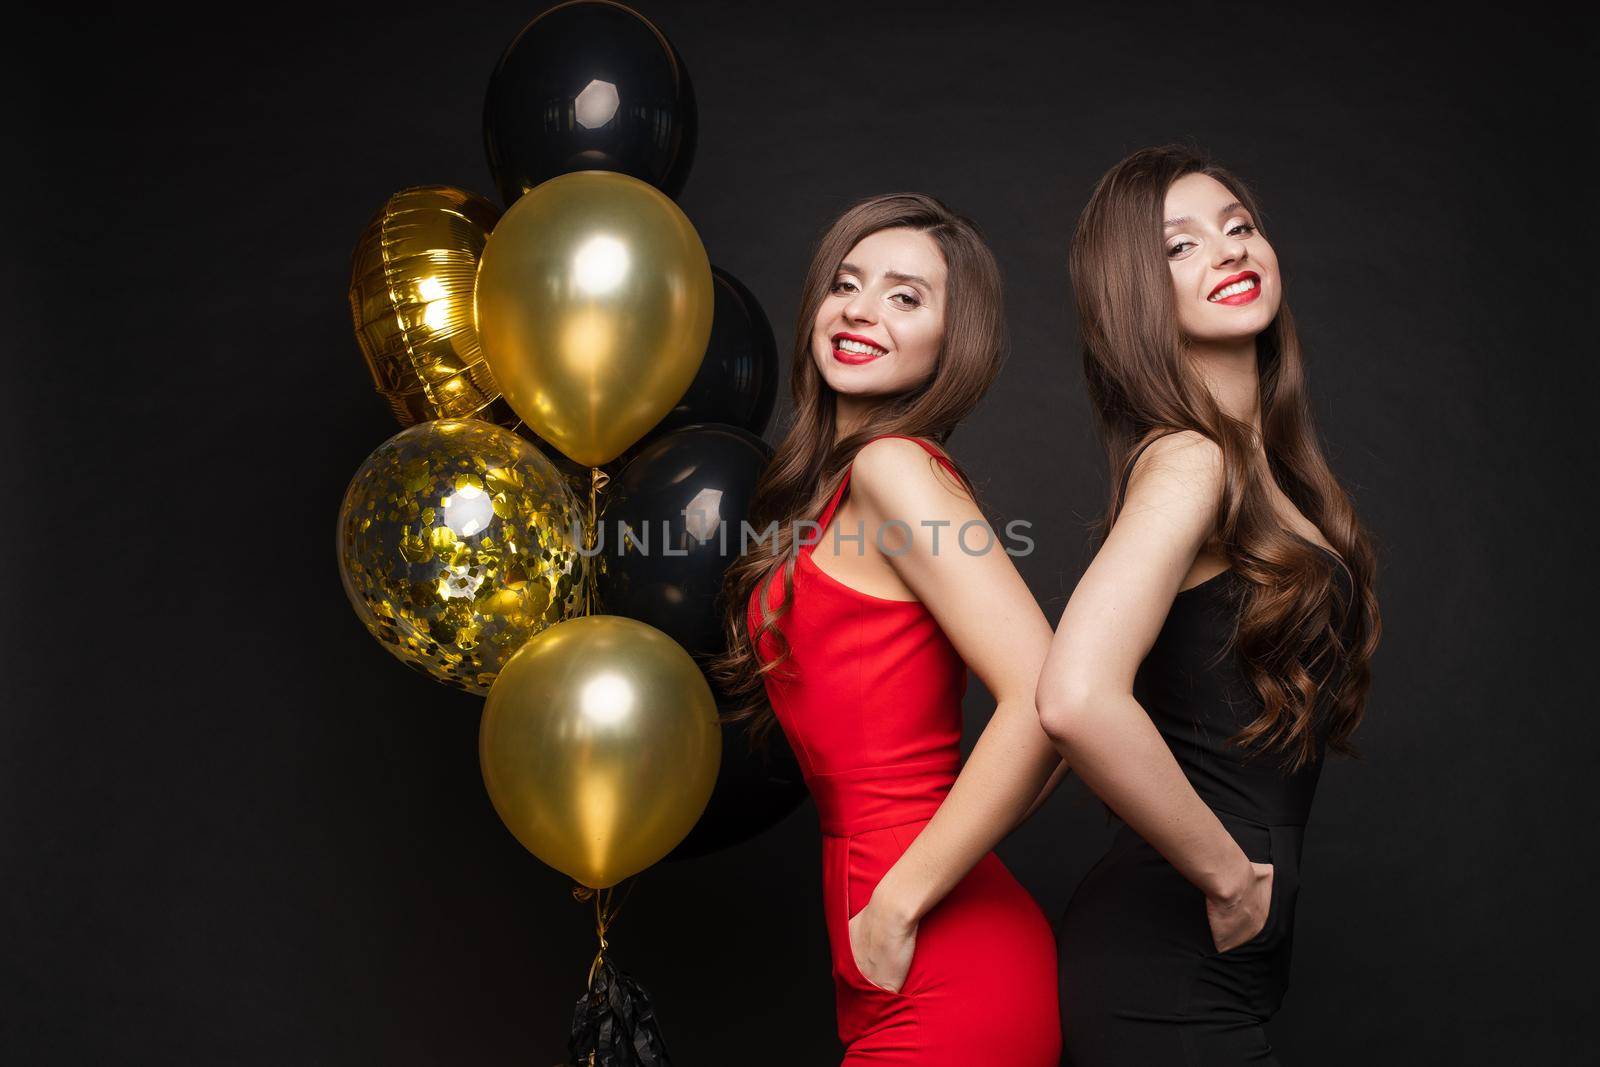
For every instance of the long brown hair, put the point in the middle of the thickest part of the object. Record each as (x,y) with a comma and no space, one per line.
(807,466)
(1303,649)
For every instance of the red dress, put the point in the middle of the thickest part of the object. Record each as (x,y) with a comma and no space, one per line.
(873,712)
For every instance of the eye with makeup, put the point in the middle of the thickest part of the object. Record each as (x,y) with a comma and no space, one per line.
(1237,229)
(905,300)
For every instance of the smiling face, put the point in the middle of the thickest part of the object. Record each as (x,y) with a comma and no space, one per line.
(879,329)
(1224,273)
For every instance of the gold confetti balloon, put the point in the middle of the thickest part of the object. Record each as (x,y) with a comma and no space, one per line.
(456,545)
(599,747)
(411,286)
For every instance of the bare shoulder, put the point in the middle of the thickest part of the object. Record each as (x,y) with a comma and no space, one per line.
(895,470)
(1180,468)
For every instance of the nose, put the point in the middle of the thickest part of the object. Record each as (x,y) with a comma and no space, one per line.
(1230,252)
(859,308)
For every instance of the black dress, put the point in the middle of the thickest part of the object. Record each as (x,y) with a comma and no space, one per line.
(1141,980)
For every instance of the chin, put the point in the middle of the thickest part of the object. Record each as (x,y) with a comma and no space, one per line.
(853,384)
(1237,328)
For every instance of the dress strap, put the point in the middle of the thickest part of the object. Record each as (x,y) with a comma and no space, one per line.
(1133,460)
(931,450)
(827,512)
(844,482)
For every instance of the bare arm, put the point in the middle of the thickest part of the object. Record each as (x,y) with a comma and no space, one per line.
(1085,694)
(992,619)
(1049,787)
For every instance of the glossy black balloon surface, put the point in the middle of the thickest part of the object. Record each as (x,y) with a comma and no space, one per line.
(589,85)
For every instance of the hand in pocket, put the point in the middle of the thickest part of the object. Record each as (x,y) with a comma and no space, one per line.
(882,948)
(1240,921)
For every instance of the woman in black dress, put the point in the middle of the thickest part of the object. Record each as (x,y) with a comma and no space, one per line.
(1218,644)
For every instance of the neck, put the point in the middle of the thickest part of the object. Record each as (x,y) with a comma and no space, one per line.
(849,414)
(1229,371)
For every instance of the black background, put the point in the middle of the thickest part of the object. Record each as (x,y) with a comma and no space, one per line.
(236,831)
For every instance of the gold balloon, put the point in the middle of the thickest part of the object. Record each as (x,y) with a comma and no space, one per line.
(411,280)
(456,546)
(599,745)
(594,306)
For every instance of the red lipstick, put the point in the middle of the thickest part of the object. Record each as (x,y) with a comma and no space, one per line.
(1237,299)
(857,358)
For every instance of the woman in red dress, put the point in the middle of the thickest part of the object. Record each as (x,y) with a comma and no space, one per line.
(857,615)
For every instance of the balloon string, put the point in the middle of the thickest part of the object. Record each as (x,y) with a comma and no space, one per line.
(598,480)
(605,915)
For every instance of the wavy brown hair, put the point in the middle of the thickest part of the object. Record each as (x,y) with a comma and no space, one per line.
(808,465)
(1304,649)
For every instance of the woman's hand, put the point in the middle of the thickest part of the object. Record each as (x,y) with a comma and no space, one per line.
(1242,918)
(882,945)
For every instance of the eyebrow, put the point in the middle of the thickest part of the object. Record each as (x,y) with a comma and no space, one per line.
(914,279)
(1184,220)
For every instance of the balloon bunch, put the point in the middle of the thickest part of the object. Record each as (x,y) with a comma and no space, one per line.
(575,359)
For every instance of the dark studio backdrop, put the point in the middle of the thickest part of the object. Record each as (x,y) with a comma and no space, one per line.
(236,831)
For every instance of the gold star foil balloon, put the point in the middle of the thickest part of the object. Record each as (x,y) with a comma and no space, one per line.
(599,746)
(456,545)
(594,303)
(411,285)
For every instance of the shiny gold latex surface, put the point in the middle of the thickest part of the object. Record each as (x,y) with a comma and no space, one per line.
(411,280)
(594,303)
(599,746)
(456,546)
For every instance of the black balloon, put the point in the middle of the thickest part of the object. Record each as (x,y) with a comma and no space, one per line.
(678,495)
(755,788)
(738,378)
(589,86)
(672,523)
